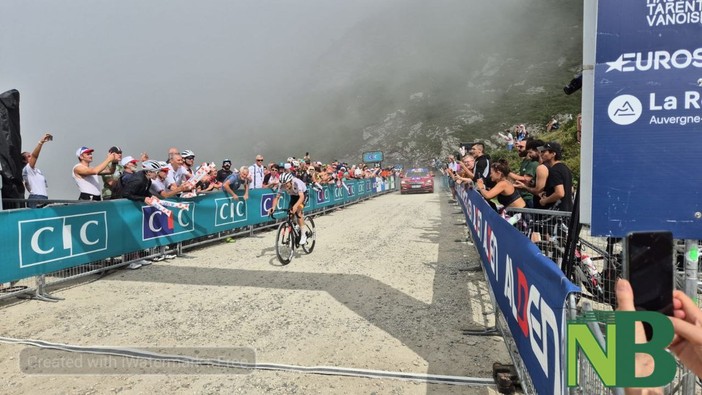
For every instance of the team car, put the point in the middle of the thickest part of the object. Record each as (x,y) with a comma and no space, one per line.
(417,180)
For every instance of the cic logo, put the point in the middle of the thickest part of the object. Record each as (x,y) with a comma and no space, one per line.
(267,202)
(51,239)
(230,211)
(156,224)
(323,196)
(338,193)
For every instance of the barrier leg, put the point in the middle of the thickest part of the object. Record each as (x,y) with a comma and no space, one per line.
(42,294)
(489,331)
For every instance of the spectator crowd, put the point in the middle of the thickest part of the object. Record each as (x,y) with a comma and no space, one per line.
(542,181)
(119,175)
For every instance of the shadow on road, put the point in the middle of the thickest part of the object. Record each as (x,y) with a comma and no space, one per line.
(433,331)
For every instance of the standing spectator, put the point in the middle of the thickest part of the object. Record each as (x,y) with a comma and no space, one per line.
(225,171)
(482,165)
(111,188)
(532,185)
(509,139)
(358,173)
(209,182)
(451,168)
(527,172)
(521,132)
(271,179)
(86,177)
(234,181)
(188,163)
(172,151)
(129,168)
(177,174)
(159,188)
(465,175)
(34,180)
(256,173)
(137,187)
(507,195)
(558,191)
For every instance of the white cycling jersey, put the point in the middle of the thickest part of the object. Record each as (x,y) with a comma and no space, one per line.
(296,187)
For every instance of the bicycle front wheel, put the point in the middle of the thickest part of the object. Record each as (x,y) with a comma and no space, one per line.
(284,248)
(311,232)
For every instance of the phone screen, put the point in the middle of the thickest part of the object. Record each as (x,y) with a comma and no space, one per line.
(649,268)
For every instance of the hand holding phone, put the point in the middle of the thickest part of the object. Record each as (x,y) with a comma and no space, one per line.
(648,265)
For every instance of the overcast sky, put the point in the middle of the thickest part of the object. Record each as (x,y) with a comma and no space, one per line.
(146,75)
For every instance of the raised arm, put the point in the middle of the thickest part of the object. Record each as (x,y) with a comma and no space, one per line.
(90,171)
(37,150)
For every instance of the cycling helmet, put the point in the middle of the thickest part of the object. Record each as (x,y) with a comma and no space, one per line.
(296,163)
(150,165)
(286,178)
(187,154)
(163,165)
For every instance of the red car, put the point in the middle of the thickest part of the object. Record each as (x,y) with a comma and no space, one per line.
(417,180)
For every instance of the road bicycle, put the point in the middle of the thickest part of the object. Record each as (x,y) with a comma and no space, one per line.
(287,238)
(598,283)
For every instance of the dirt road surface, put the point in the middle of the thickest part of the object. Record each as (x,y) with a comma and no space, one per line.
(390,286)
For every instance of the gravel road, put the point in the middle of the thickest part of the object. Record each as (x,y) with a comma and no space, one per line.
(390,286)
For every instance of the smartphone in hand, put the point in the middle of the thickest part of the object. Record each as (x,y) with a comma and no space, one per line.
(648,265)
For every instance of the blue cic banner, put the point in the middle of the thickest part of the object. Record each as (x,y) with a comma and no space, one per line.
(39,241)
(648,118)
(530,291)
(373,157)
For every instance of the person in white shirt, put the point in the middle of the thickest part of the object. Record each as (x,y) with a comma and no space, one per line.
(159,186)
(257,173)
(34,180)
(178,173)
(188,163)
(86,177)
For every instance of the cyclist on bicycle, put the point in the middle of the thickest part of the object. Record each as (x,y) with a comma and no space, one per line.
(298,196)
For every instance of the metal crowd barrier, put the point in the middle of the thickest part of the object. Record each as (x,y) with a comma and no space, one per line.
(37,287)
(597,267)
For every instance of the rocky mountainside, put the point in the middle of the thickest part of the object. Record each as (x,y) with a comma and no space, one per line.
(421,77)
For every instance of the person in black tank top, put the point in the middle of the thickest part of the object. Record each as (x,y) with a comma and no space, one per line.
(506,194)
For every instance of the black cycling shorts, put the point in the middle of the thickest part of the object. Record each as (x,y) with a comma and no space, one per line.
(295,198)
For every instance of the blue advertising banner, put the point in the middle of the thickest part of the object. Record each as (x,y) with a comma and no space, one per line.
(39,241)
(530,291)
(648,118)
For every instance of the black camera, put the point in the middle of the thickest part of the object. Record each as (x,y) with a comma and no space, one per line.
(574,85)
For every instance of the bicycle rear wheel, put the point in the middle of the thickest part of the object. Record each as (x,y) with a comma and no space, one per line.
(284,247)
(311,232)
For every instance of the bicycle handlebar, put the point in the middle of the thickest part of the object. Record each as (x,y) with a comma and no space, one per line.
(272,214)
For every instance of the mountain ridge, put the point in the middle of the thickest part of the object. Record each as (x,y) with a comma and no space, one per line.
(414,82)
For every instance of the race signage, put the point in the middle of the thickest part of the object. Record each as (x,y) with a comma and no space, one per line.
(373,157)
(58,237)
(529,289)
(647,118)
